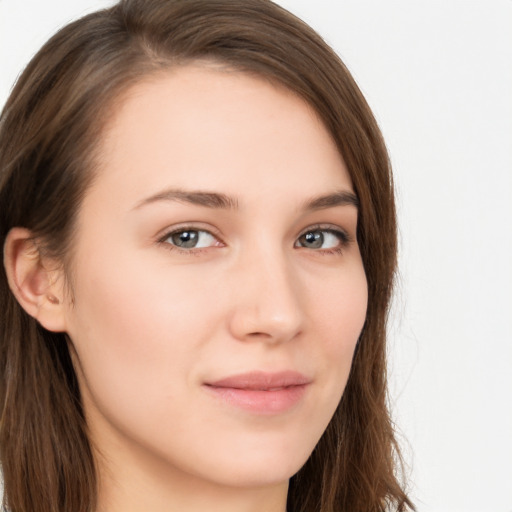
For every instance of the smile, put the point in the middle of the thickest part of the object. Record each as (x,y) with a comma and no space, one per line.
(261,392)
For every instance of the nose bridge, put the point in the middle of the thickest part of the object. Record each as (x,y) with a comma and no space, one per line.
(267,301)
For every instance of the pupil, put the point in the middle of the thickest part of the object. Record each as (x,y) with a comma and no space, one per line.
(314,239)
(185,239)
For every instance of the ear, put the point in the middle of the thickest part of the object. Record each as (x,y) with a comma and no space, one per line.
(36,283)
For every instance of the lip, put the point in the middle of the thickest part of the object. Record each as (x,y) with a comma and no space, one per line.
(261,392)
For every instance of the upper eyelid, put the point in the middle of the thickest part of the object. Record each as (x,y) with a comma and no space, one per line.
(163,240)
(332,228)
(192,226)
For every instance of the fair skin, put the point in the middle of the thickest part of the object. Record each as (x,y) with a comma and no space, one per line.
(261,273)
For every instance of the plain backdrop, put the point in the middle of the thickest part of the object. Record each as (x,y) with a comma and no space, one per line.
(438,76)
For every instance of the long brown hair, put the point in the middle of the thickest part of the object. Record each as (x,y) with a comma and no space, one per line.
(49,130)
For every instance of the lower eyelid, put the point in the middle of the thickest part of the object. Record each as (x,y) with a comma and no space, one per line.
(343,237)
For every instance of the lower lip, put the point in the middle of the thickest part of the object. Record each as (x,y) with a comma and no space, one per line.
(260,401)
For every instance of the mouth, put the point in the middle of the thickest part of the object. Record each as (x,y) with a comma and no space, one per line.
(261,392)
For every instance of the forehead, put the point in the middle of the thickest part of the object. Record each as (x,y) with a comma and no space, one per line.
(220,129)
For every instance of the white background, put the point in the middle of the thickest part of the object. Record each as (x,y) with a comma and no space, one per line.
(438,76)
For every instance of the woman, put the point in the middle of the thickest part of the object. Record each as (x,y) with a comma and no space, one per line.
(199,246)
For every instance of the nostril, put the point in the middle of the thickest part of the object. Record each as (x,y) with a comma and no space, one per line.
(259,334)
(266,308)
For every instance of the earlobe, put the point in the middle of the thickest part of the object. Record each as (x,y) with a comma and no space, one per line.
(35,284)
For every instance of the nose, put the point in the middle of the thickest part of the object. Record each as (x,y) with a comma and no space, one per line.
(266,302)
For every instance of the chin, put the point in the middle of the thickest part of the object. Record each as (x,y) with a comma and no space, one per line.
(272,474)
(258,466)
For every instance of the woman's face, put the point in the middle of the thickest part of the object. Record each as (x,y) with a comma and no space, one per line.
(218,288)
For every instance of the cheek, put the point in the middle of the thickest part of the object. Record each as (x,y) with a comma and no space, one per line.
(141,337)
(340,314)
(341,309)
(134,333)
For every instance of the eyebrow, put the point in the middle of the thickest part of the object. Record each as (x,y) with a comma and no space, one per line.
(217,200)
(339,198)
(214,200)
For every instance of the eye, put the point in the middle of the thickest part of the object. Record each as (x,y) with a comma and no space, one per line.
(190,239)
(329,239)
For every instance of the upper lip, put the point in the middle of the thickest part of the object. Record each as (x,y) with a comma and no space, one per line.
(261,380)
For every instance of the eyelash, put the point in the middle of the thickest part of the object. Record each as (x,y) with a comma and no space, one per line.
(182,229)
(344,239)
